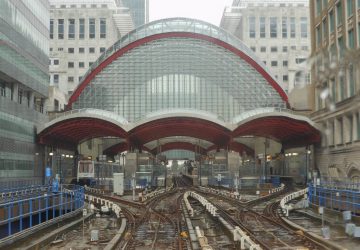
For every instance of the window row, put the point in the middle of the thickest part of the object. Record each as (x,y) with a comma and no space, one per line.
(55,79)
(81,50)
(340,88)
(287,24)
(275,49)
(342,130)
(321,5)
(321,34)
(76,28)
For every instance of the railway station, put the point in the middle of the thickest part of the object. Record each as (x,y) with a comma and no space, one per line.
(179,137)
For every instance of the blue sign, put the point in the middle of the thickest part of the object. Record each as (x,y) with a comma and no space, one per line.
(48,172)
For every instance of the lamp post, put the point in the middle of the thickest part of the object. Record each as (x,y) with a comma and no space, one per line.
(307,156)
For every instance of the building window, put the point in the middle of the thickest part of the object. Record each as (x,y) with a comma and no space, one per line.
(71,50)
(81,64)
(102,28)
(80,78)
(60,28)
(2,89)
(20,95)
(351,80)
(285,78)
(92,28)
(81,28)
(90,63)
(70,79)
(325,4)
(292,27)
(341,88)
(81,50)
(358,125)
(293,47)
(102,49)
(349,8)
(351,39)
(262,27)
(70,65)
(56,78)
(331,21)
(325,29)
(333,89)
(274,63)
(56,61)
(264,62)
(91,50)
(60,49)
(303,27)
(262,49)
(51,28)
(51,49)
(285,63)
(338,14)
(304,48)
(318,35)
(284,49)
(71,29)
(273,49)
(341,46)
(284,27)
(273,27)
(318,7)
(252,27)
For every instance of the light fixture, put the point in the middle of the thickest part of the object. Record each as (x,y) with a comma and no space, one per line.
(36,153)
(51,153)
(294,154)
(67,156)
(63,155)
(71,156)
(308,151)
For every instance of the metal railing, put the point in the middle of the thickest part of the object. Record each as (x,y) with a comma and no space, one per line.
(337,199)
(18,215)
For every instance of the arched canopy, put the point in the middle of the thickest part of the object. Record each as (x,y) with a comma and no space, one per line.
(178,63)
(286,129)
(69,132)
(179,126)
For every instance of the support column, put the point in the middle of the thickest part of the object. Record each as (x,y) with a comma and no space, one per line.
(15,91)
(31,99)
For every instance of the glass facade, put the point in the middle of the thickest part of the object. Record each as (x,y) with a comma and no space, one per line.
(178,73)
(24,60)
(139,10)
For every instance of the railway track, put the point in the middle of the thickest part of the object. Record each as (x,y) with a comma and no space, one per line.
(266,227)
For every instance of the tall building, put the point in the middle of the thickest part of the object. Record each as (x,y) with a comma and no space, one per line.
(335,42)
(24,82)
(278,33)
(139,10)
(80,31)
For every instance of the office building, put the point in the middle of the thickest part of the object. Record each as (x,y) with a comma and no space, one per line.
(335,72)
(24,57)
(278,33)
(80,31)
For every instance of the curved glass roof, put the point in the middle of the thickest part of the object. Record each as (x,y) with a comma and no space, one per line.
(178,73)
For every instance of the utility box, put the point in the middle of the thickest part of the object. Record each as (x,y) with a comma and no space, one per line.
(118,183)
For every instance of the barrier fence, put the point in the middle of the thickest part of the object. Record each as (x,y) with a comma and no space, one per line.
(20,214)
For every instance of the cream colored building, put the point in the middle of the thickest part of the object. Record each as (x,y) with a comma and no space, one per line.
(80,31)
(277,31)
(335,73)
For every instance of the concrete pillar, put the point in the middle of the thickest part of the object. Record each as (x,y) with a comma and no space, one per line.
(31,99)
(15,91)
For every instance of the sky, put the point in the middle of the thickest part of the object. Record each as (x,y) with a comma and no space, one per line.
(207,10)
